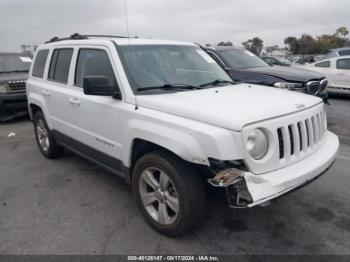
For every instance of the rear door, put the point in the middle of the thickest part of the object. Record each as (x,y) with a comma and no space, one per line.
(56,90)
(343,72)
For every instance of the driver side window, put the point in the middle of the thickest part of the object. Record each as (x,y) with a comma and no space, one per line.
(93,62)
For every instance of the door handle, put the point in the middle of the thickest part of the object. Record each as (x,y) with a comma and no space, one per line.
(46,93)
(74,101)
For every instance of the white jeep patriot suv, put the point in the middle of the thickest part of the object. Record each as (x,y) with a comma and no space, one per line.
(165,117)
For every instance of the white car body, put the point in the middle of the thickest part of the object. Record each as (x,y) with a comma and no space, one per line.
(337,75)
(196,125)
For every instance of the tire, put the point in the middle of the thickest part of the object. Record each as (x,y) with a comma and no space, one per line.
(44,137)
(181,183)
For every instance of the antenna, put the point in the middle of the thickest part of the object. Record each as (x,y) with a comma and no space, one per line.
(128,33)
(126,20)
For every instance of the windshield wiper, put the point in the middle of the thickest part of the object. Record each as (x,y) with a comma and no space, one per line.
(217,82)
(169,87)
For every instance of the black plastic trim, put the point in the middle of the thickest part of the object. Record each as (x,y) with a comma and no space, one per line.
(107,162)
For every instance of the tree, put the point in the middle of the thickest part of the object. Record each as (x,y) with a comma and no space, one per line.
(222,43)
(307,44)
(342,31)
(254,45)
(293,44)
(326,42)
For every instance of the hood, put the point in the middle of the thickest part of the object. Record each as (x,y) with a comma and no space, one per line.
(15,76)
(230,107)
(289,74)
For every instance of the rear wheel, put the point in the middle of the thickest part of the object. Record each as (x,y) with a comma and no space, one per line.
(170,195)
(45,139)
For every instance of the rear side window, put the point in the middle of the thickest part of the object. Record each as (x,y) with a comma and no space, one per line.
(39,63)
(93,62)
(344,52)
(343,64)
(323,64)
(60,63)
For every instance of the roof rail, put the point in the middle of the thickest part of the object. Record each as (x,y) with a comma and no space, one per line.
(77,36)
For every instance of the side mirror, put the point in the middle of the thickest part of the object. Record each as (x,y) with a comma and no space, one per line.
(99,85)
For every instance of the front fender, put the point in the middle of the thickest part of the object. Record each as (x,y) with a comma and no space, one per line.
(178,142)
(191,140)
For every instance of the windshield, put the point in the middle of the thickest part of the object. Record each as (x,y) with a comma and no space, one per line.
(14,63)
(150,66)
(241,59)
(282,59)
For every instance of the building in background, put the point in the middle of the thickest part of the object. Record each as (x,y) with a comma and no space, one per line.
(28,49)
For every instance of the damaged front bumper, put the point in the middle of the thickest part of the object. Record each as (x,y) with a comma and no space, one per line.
(245,189)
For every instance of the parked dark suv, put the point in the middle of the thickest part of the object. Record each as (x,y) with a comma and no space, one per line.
(244,66)
(14,68)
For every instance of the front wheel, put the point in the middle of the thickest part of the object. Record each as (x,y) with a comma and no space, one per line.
(169,193)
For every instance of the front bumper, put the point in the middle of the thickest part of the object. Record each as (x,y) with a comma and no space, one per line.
(265,187)
(13,105)
(339,90)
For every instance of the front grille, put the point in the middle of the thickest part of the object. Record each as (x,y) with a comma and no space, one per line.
(313,87)
(17,85)
(302,136)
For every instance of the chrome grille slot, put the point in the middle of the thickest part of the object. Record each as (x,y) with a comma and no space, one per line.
(314,128)
(291,139)
(300,132)
(307,133)
(319,125)
(298,138)
(311,132)
(280,142)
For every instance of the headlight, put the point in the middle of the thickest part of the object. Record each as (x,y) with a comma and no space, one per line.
(3,89)
(257,144)
(287,85)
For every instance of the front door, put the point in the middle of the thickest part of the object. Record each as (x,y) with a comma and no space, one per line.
(96,118)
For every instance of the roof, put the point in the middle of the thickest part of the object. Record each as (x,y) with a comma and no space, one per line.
(219,48)
(119,40)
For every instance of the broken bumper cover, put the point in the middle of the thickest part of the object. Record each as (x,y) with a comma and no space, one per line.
(268,186)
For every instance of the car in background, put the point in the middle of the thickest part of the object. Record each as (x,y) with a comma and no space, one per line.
(320,57)
(306,60)
(14,68)
(244,66)
(337,71)
(336,52)
(276,60)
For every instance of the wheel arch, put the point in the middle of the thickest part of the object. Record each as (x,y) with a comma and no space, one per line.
(35,103)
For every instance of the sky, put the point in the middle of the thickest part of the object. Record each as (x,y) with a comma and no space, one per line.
(201,21)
